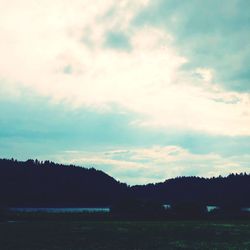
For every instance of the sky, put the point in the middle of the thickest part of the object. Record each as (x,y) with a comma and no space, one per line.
(143,90)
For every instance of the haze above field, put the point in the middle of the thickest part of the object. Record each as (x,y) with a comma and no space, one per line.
(143,90)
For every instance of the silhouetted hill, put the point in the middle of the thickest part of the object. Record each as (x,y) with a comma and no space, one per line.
(34,183)
(233,189)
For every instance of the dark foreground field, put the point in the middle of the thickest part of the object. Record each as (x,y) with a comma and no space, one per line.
(110,235)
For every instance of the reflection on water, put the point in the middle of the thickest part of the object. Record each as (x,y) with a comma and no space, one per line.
(246,209)
(62,210)
(167,206)
(211,208)
(89,209)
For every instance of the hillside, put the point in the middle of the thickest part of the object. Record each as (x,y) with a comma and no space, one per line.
(33,183)
(233,190)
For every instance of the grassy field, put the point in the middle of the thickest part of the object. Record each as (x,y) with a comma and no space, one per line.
(124,235)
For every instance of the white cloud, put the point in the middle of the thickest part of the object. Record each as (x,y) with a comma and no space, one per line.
(157,163)
(205,74)
(39,40)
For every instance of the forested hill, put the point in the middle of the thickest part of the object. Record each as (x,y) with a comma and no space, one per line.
(233,190)
(33,183)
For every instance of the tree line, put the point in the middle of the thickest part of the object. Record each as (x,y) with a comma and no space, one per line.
(34,183)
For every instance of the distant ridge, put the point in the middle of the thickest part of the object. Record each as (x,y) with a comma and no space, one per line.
(46,184)
(233,190)
(35,183)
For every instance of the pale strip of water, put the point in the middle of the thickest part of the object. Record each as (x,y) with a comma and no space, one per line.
(62,210)
(88,209)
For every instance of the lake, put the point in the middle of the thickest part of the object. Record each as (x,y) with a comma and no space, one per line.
(62,210)
(88,209)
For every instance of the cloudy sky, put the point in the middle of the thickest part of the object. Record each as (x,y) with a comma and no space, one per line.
(145,90)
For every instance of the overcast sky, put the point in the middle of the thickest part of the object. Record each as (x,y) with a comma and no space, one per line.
(144,90)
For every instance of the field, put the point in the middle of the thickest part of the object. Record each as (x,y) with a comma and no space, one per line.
(115,235)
